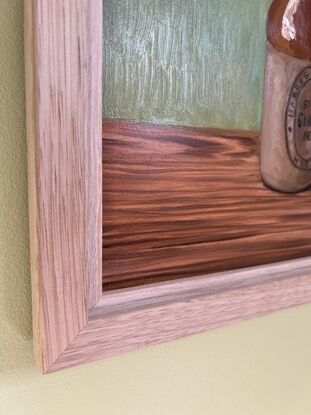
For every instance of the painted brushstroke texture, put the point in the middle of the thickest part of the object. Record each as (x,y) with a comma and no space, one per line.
(197,63)
(182,202)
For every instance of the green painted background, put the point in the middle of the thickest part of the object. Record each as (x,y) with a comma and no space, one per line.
(197,62)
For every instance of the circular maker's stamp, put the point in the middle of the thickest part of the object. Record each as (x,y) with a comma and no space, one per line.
(298,121)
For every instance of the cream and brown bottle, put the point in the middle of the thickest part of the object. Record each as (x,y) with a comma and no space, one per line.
(286,120)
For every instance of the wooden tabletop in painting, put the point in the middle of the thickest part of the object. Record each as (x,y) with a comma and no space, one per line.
(181,202)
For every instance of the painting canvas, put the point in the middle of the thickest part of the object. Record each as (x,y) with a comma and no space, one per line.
(182,108)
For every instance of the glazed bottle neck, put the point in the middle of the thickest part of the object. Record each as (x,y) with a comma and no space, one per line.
(289,27)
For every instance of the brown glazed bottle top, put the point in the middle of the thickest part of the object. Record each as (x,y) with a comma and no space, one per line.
(289,27)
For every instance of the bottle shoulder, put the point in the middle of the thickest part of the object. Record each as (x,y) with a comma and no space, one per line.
(289,27)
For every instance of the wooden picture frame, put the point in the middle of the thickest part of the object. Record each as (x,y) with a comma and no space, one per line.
(73,321)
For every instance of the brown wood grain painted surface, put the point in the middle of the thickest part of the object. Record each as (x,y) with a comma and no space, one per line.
(181,202)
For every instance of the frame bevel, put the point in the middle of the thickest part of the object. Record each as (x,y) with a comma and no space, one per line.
(73,321)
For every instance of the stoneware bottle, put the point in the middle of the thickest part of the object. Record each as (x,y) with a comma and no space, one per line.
(286,121)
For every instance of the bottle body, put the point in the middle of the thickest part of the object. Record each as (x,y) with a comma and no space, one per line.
(286,122)
(286,119)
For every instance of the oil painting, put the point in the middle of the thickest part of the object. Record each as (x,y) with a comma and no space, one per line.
(184,125)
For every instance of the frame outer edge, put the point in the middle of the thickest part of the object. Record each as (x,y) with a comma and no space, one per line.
(31,120)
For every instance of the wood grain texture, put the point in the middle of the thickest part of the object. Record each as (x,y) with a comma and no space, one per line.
(197,63)
(93,150)
(64,153)
(63,104)
(182,202)
(132,328)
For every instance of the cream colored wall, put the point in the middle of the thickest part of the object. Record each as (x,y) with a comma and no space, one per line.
(257,367)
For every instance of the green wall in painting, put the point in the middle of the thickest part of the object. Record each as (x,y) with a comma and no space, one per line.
(197,63)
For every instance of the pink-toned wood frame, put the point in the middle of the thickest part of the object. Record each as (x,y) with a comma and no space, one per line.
(74,322)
